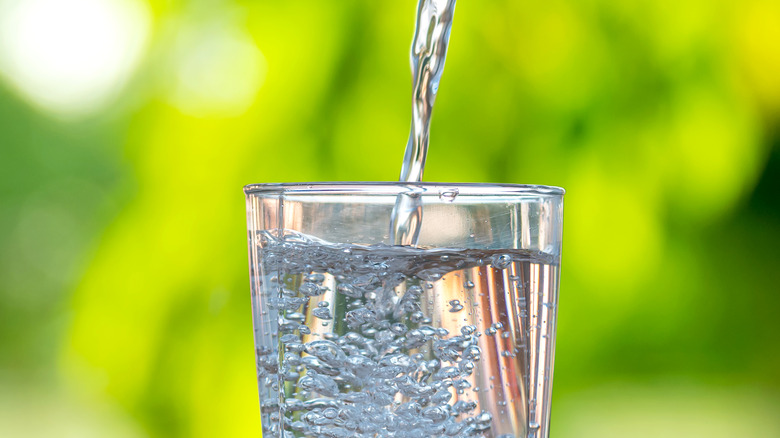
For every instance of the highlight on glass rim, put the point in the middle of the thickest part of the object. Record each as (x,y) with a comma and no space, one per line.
(405,279)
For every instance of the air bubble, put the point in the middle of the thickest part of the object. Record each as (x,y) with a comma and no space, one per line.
(322,313)
(468,329)
(358,317)
(455,306)
(448,195)
(311,289)
(447,373)
(441,397)
(501,261)
(398,328)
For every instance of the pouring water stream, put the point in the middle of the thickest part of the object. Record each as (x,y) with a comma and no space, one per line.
(427,56)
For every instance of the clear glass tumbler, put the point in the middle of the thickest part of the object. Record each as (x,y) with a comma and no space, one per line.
(451,337)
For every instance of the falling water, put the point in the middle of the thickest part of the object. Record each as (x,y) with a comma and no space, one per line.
(427,56)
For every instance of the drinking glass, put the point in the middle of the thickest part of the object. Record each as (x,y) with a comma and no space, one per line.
(451,336)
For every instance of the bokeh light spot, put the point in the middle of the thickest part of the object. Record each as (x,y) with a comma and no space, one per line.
(758,33)
(70,57)
(217,72)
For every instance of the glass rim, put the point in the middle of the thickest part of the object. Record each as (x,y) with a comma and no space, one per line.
(399,187)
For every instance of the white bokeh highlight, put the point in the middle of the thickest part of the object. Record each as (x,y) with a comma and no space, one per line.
(216,71)
(71,57)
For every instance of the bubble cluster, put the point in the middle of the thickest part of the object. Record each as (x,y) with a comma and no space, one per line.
(382,366)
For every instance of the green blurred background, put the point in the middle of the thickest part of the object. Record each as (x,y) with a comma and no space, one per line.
(128,127)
